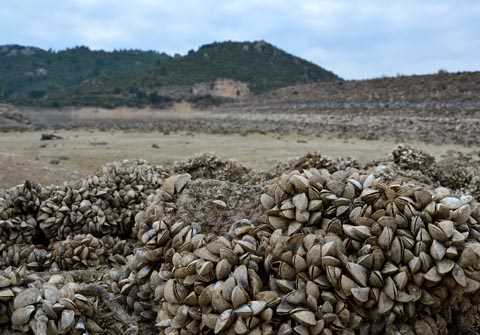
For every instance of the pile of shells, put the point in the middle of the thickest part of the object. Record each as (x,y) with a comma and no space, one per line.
(210,166)
(11,283)
(158,236)
(409,158)
(394,256)
(331,252)
(23,199)
(30,305)
(17,214)
(155,227)
(212,284)
(35,258)
(319,161)
(76,252)
(96,206)
(216,205)
(134,172)
(309,302)
(457,170)
(117,249)
(339,253)
(86,251)
(53,308)
(100,205)
(190,262)
(135,282)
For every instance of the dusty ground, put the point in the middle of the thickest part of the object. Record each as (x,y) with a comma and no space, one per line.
(446,124)
(258,134)
(81,152)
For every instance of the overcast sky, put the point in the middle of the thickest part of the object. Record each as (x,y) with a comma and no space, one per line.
(355,39)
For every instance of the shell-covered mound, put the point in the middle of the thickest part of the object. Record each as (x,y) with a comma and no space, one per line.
(56,304)
(400,259)
(139,250)
(455,170)
(338,253)
(210,166)
(319,161)
(409,158)
(312,160)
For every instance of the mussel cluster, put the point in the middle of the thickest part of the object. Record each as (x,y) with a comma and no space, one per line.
(83,225)
(99,205)
(33,257)
(80,251)
(410,158)
(18,214)
(44,307)
(399,259)
(333,252)
(210,166)
(456,170)
(320,161)
(338,253)
(86,251)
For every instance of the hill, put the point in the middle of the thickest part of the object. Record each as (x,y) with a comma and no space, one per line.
(80,76)
(439,87)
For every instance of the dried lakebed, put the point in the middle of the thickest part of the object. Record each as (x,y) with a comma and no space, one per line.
(443,126)
(23,156)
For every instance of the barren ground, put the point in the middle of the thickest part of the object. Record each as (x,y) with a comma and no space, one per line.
(83,152)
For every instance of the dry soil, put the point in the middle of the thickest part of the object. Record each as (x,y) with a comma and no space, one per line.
(82,152)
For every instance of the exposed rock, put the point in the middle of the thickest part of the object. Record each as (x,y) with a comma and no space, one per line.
(226,88)
(48,137)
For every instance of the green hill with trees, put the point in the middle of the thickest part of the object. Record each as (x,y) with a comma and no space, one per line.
(84,77)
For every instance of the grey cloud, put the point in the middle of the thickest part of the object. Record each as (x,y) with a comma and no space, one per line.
(356,39)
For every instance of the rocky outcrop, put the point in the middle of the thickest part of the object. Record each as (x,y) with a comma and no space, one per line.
(226,88)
